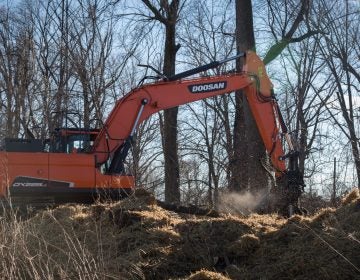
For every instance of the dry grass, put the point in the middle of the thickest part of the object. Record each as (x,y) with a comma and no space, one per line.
(207,275)
(136,239)
(351,196)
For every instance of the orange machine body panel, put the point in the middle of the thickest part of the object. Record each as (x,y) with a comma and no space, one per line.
(61,171)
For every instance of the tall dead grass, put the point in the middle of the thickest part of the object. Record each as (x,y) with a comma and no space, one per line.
(103,241)
(136,239)
(25,253)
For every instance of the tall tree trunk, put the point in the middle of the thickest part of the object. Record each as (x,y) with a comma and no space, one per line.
(246,168)
(167,14)
(172,183)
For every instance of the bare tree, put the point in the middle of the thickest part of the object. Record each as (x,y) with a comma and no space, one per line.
(167,13)
(207,129)
(201,136)
(285,19)
(90,45)
(305,96)
(245,136)
(340,51)
(16,70)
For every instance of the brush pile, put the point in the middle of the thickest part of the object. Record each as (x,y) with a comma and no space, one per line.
(137,239)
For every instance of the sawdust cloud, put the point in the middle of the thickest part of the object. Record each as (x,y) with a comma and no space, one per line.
(243,203)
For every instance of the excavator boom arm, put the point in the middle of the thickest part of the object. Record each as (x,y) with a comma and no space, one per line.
(115,137)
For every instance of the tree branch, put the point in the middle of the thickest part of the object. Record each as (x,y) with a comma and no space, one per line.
(158,16)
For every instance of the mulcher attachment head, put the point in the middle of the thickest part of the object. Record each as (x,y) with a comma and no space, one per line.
(289,187)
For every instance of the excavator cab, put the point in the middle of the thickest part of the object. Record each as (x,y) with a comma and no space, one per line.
(62,140)
(70,136)
(59,169)
(71,140)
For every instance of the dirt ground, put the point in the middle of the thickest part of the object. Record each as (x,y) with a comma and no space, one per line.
(137,239)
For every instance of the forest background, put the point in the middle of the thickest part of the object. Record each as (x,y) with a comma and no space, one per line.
(81,56)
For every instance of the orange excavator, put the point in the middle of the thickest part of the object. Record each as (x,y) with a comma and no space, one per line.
(77,165)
